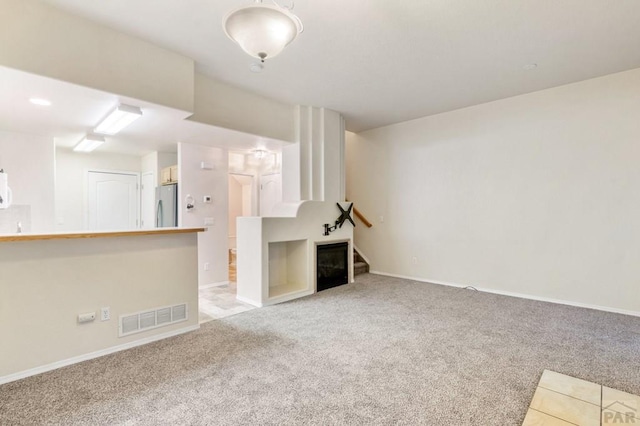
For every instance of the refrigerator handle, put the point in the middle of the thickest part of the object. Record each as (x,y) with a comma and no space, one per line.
(159,215)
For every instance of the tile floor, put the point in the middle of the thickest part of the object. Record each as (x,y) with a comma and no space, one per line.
(563,400)
(219,302)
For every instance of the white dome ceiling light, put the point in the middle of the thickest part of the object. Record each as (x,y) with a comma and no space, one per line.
(262,30)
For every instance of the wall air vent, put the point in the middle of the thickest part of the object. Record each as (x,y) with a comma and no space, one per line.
(163,316)
(129,324)
(150,319)
(179,312)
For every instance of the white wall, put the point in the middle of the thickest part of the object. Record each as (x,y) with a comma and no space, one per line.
(149,164)
(156,161)
(44,40)
(536,194)
(45,285)
(71,182)
(236,199)
(40,39)
(230,107)
(29,162)
(194,181)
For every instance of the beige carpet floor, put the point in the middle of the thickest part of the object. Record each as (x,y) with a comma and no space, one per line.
(380,351)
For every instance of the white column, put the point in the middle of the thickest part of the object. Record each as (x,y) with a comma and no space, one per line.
(313,167)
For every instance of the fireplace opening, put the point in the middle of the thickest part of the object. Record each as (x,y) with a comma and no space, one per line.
(332,265)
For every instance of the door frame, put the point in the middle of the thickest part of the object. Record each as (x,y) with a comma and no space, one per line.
(260,189)
(140,186)
(113,172)
(254,190)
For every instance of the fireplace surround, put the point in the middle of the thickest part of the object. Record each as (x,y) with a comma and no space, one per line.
(332,265)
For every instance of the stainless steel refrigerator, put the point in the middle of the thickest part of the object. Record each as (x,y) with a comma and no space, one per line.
(167,206)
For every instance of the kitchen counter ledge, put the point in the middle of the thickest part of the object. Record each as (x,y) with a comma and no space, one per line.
(96,234)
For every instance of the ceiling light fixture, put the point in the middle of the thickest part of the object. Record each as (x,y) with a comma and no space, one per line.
(40,101)
(262,30)
(118,119)
(260,153)
(89,143)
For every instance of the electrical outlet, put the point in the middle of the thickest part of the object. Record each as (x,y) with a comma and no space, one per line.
(209,221)
(207,266)
(88,317)
(381,219)
(105,314)
(414,260)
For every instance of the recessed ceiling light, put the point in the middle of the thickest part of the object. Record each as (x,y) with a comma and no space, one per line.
(530,67)
(40,101)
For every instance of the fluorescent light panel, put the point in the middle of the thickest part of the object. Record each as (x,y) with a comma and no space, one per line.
(40,101)
(89,143)
(119,118)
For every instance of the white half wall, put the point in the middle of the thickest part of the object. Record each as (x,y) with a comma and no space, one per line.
(534,195)
(277,255)
(46,284)
(197,182)
(29,162)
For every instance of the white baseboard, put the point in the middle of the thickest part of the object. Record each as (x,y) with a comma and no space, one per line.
(248,301)
(288,297)
(76,359)
(513,294)
(218,284)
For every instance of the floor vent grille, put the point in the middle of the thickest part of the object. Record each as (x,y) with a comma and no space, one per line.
(150,319)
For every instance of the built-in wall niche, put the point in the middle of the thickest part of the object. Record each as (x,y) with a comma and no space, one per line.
(288,263)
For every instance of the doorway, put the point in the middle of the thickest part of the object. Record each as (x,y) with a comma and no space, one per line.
(241,189)
(270,193)
(113,200)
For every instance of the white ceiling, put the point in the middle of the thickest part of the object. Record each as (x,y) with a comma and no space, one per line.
(76,110)
(379,62)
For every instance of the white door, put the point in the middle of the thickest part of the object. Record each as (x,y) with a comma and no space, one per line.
(270,193)
(148,201)
(112,201)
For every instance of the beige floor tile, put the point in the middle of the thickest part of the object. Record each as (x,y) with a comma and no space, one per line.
(203,317)
(621,402)
(220,302)
(567,385)
(610,417)
(536,418)
(566,408)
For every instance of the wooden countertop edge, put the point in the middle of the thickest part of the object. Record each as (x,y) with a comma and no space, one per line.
(76,235)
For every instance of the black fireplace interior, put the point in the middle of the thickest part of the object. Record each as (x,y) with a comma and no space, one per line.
(332,264)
